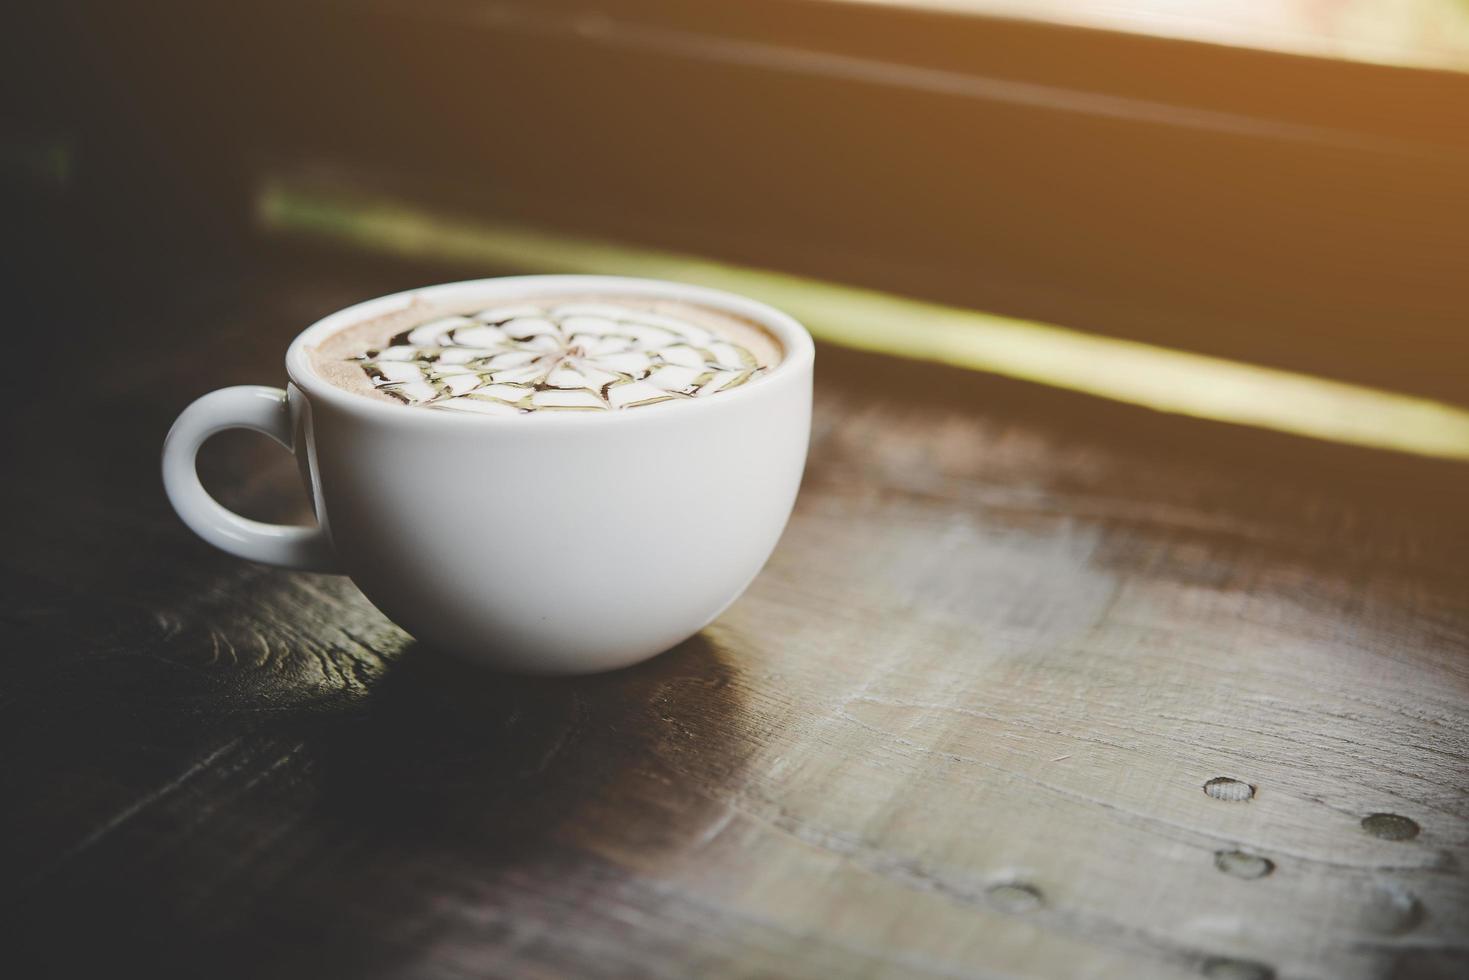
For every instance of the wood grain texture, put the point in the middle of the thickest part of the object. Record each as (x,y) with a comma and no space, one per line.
(960,726)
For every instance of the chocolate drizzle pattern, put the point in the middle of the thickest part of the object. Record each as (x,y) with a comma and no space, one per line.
(564,357)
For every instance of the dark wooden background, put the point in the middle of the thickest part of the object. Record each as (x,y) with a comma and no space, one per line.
(964,722)
(1301,212)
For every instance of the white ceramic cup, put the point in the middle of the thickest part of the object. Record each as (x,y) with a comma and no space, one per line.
(548,543)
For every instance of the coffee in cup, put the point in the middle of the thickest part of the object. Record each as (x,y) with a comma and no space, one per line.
(568,353)
(544,474)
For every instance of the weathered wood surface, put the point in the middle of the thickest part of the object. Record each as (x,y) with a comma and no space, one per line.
(961,725)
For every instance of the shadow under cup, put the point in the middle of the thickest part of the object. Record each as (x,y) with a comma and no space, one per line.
(554,542)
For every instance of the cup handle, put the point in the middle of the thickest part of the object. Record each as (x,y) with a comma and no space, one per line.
(245,407)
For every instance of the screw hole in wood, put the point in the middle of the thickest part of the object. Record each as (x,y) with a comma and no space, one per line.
(1390,826)
(1229,790)
(1240,864)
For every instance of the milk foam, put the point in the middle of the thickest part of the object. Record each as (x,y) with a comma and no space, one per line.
(557,356)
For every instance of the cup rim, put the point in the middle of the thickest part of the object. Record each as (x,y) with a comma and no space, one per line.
(796,343)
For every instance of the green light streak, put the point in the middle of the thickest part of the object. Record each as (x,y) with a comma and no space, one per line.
(47,162)
(1140,374)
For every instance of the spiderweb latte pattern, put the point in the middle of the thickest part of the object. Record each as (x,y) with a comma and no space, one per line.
(565,357)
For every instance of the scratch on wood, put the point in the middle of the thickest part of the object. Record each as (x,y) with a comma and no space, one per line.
(715,828)
(128,813)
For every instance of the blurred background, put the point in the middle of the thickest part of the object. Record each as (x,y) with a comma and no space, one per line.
(1268,182)
(967,721)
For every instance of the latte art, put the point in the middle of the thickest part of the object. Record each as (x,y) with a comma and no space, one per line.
(557,356)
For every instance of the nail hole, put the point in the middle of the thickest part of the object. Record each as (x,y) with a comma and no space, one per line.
(1015,897)
(1391,911)
(1222,968)
(1390,826)
(1242,865)
(1229,790)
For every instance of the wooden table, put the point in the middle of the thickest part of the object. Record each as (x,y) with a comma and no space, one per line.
(1034,685)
